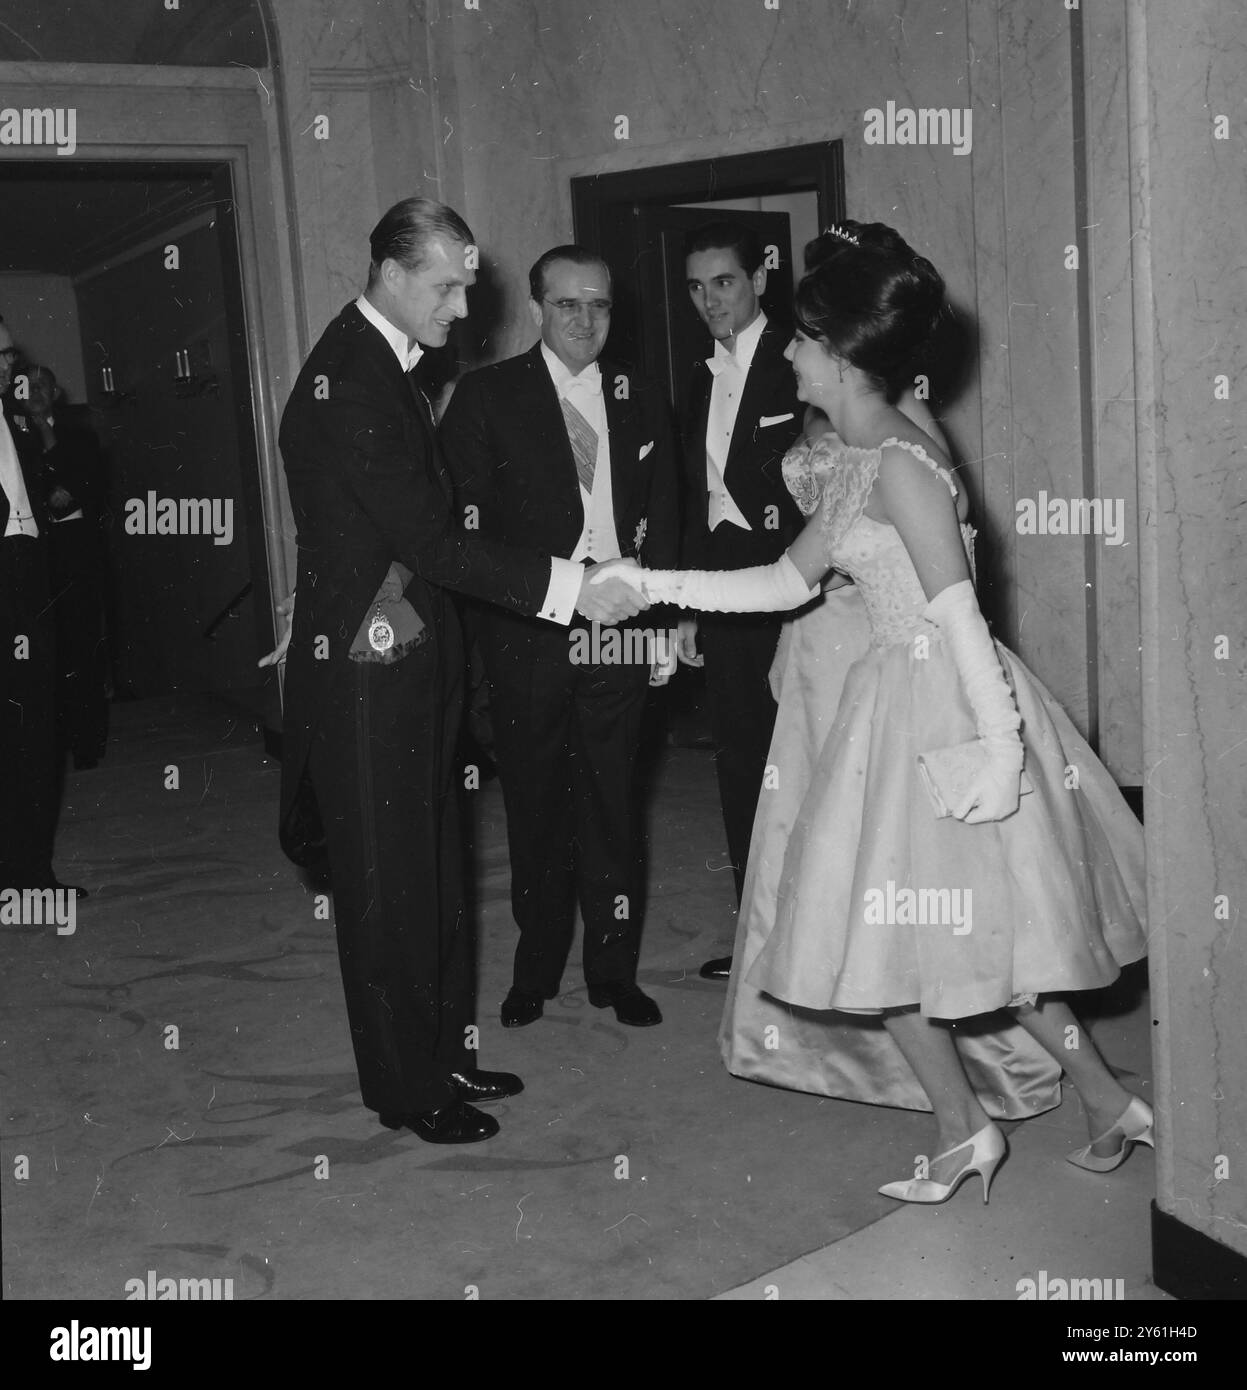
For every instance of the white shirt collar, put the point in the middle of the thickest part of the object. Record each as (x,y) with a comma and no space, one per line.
(746,345)
(561,374)
(397,339)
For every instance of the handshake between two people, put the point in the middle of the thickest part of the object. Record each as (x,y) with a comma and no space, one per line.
(608,595)
(611,592)
(774,588)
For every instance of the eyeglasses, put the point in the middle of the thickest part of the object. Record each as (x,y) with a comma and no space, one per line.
(569,308)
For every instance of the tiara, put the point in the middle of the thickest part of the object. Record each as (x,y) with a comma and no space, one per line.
(842,234)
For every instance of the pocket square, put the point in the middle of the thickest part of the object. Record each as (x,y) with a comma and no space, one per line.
(766,420)
(645,448)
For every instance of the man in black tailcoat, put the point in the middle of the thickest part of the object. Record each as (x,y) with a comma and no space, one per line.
(742,417)
(375,670)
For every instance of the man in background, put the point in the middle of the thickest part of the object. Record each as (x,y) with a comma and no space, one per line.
(29,775)
(742,417)
(72,475)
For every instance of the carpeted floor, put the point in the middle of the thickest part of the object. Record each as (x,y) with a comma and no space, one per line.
(179,1074)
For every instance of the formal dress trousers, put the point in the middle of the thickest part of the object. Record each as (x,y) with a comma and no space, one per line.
(73,477)
(742,417)
(368,764)
(29,774)
(582,465)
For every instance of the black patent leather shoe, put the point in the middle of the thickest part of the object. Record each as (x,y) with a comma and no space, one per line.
(480,1085)
(718,969)
(521,1007)
(631,1005)
(454,1123)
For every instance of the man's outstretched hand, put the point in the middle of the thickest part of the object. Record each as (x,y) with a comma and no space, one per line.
(610,599)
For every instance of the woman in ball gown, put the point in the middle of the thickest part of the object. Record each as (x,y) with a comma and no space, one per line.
(761,1038)
(941,865)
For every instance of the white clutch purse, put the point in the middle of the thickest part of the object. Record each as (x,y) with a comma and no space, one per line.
(948,772)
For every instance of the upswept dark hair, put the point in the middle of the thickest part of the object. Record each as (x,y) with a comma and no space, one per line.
(578,255)
(876,304)
(404,232)
(725,235)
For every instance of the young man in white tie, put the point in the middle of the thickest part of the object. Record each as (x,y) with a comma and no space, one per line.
(742,417)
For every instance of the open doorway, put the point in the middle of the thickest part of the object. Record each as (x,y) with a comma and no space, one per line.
(637,220)
(124,279)
(783,222)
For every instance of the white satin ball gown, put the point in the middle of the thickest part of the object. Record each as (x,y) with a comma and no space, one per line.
(1056,895)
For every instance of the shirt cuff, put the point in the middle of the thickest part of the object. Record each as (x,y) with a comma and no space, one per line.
(566,577)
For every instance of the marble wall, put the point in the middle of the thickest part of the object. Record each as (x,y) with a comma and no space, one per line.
(367,107)
(1056,366)
(1108,387)
(1188,189)
(541,87)
(1027,303)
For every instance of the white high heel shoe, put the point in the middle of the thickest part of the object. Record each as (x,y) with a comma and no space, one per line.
(1136,1125)
(987,1149)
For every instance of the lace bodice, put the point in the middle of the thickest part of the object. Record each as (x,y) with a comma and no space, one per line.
(836,479)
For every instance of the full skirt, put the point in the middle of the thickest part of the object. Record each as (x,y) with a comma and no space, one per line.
(857,898)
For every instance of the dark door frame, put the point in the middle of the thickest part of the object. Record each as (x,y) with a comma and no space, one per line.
(608,217)
(220,175)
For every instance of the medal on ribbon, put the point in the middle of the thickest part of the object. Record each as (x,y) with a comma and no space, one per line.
(380,632)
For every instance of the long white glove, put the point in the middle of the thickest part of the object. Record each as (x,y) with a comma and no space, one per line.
(994,792)
(759,589)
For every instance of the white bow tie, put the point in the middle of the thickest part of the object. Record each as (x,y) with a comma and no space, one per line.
(589,383)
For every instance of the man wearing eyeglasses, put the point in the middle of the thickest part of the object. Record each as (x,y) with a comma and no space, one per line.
(574,453)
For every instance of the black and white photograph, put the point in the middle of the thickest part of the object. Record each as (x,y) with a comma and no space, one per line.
(623,666)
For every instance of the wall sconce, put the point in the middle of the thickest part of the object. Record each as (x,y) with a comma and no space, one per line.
(111,397)
(197,380)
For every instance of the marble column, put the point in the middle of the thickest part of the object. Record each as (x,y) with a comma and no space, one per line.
(1188,188)
(1109,387)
